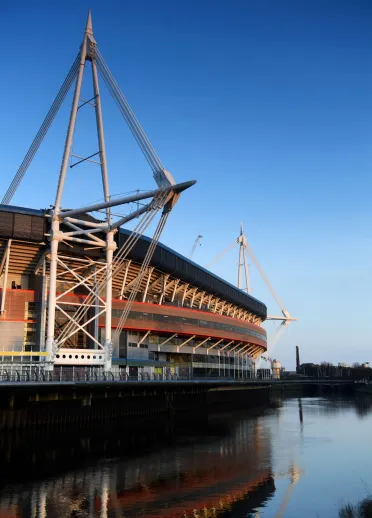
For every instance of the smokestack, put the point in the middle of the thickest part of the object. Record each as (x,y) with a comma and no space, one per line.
(297,359)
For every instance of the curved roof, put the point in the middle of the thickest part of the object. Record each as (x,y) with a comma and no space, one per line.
(169,261)
(31,225)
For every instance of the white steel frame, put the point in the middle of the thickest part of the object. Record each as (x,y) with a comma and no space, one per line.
(70,226)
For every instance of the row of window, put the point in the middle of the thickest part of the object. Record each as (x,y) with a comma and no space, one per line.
(142,345)
(224,359)
(171,319)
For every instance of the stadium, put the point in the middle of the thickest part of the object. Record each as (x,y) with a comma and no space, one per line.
(79,289)
(184,319)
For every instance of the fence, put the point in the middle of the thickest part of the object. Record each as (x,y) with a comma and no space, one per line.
(37,373)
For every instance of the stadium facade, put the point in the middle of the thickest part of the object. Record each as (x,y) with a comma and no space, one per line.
(184,319)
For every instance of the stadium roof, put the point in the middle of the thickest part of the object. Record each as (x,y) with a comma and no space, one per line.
(25,224)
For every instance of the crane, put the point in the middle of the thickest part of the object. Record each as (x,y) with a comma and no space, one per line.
(244,249)
(195,245)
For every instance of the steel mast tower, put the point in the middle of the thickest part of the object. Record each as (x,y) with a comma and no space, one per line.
(243,261)
(74,225)
(87,53)
(244,250)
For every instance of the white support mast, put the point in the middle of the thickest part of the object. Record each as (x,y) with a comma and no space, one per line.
(87,52)
(244,250)
(80,328)
(243,261)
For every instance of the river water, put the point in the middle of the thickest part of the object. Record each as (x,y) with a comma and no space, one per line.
(298,458)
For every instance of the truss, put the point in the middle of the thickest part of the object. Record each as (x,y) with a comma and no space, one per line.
(243,270)
(76,227)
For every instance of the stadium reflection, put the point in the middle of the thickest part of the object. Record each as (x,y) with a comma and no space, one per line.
(180,470)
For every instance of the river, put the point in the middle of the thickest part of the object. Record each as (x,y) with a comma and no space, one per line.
(297,458)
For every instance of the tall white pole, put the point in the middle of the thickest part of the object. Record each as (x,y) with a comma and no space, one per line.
(101,137)
(44,298)
(96,309)
(71,127)
(246,269)
(240,264)
(110,243)
(6,269)
(55,232)
(111,246)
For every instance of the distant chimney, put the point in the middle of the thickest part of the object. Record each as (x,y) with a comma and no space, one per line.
(297,359)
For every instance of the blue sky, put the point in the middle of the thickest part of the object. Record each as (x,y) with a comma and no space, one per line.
(266,103)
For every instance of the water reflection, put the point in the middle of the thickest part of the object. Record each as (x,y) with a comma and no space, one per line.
(226,466)
(204,472)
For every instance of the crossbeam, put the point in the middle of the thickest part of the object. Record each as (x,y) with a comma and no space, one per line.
(167,340)
(229,343)
(178,188)
(143,338)
(201,343)
(214,345)
(6,269)
(185,342)
(237,345)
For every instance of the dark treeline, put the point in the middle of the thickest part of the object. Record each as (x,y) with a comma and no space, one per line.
(328,370)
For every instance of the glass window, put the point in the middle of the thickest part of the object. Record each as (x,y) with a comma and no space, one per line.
(182,320)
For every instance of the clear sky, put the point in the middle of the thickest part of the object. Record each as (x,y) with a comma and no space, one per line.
(266,103)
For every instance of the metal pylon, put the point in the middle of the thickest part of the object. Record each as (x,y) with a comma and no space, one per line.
(72,226)
(87,53)
(243,262)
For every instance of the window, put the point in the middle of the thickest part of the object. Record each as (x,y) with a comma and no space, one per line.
(205,323)
(29,337)
(160,318)
(171,319)
(30,311)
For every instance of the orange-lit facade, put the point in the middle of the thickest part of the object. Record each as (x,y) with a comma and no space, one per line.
(183,317)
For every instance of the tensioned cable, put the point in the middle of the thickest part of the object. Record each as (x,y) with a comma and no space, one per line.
(145,221)
(157,204)
(82,310)
(220,254)
(71,76)
(117,263)
(129,115)
(123,105)
(143,270)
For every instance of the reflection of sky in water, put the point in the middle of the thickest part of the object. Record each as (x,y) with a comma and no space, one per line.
(315,451)
(332,449)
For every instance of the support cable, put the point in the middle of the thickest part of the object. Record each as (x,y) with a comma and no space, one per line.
(264,276)
(71,76)
(101,280)
(126,110)
(221,254)
(117,263)
(135,127)
(143,270)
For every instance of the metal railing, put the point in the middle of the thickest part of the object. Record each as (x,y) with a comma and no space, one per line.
(37,374)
